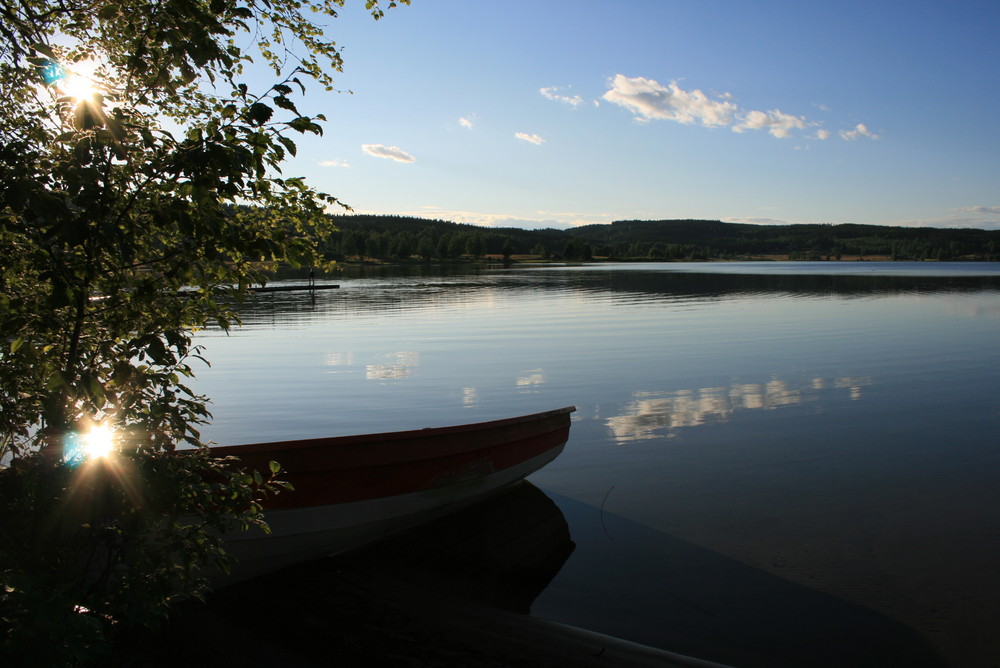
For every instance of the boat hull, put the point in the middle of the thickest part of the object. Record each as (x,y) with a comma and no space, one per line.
(352,491)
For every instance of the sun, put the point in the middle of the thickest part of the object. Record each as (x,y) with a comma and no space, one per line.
(98,442)
(81,81)
(79,87)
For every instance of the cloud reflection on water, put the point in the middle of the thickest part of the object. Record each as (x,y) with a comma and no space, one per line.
(401,367)
(470,397)
(339,359)
(530,381)
(404,365)
(659,414)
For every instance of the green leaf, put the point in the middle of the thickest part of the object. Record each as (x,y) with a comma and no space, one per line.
(45,50)
(108,12)
(274,466)
(95,388)
(259,113)
(305,124)
(288,144)
(285,103)
(55,381)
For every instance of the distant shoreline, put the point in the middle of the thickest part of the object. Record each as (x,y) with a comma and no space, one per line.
(493,259)
(401,238)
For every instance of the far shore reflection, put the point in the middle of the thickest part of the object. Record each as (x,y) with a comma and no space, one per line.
(658,414)
(392,289)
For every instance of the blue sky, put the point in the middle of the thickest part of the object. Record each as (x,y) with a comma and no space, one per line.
(557,113)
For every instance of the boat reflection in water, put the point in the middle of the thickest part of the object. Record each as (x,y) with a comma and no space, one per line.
(500,553)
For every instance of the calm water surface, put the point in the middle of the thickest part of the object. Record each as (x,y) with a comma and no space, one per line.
(771,463)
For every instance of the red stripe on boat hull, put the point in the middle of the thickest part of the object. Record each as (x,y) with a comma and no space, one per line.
(356,468)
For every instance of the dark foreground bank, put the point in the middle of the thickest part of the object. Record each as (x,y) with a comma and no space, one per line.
(346,619)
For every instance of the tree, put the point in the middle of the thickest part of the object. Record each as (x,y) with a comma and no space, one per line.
(442,245)
(403,245)
(352,244)
(475,245)
(139,181)
(457,245)
(426,247)
(378,244)
(507,250)
(577,249)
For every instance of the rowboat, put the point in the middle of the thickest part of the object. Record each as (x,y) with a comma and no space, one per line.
(351,491)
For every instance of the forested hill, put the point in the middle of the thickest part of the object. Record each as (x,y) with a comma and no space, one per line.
(718,239)
(406,237)
(403,237)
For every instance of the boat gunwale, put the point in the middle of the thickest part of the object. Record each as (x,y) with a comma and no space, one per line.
(392,436)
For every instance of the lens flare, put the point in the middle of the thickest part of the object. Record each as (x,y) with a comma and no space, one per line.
(98,442)
(79,80)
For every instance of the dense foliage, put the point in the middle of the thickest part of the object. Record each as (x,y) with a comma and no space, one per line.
(139,180)
(397,237)
(97,553)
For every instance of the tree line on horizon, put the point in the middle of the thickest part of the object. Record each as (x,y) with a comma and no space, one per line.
(390,237)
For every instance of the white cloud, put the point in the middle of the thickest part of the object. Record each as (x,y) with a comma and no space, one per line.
(988,210)
(552,93)
(860,130)
(987,217)
(334,163)
(756,221)
(388,152)
(983,217)
(951,221)
(534,139)
(653,101)
(489,219)
(539,219)
(465,122)
(776,123)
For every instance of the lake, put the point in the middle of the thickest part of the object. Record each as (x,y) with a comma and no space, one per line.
(770,464)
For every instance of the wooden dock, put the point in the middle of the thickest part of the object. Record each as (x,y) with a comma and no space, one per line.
(293,288)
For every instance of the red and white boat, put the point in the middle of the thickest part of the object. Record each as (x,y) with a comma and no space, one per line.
(353,490)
